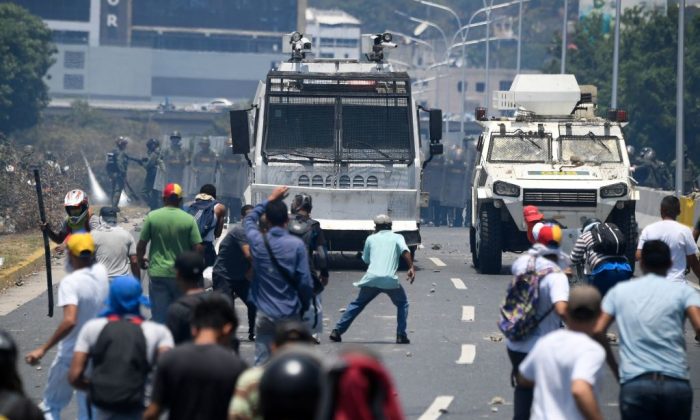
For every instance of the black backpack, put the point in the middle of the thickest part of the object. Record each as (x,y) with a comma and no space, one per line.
(203,213)
(608,239)
(120,365)
(305,229)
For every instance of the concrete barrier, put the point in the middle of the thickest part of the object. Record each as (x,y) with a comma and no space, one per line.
(650,201)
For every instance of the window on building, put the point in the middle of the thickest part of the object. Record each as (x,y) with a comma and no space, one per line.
(70,37)
(504,85)
(327,42)
(74,60)
(73,82)
(459,86)
(480,86)
(346,43)
(326,55)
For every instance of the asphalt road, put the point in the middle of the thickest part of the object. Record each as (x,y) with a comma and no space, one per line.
(457,359)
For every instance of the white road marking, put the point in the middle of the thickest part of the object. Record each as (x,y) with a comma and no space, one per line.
(437,407)
(458,283)
(468,354)
(467,313)
(437,261)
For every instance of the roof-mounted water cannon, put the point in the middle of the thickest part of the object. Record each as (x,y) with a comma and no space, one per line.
(296,44)
(373,46)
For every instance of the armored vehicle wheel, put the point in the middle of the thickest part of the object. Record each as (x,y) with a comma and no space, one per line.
(472,246)
(626,220)
(488,240)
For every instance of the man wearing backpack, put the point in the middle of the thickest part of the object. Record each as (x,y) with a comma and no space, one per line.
(309,230)
(122,348)
(678,237)
(535,305)
(210,216)
(601,249)
(171,231)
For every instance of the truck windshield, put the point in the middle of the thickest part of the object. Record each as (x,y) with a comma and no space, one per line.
(591,148)
(519,148)
(338,128)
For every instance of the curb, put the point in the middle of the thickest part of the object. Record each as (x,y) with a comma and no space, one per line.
(28,265)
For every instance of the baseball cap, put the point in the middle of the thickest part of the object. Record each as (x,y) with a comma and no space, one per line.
(532,214)
(109,215)
(125,296)
(172,189)
(81,245)
(382,219)
(584,303)
(547,234)
(190,265)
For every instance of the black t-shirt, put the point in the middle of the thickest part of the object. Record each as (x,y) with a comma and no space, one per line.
(197,381)
(15,406)
(230,263)
(180,315)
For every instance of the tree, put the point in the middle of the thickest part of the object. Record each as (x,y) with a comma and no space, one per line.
(25,57)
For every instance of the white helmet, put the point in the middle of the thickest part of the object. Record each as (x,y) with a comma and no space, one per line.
(382,219)
(76,205)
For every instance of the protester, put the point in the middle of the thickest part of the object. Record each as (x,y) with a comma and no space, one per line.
(189,267)
(122,348)
(232,272)
(309,230)
(115,248)
(382,253)
(282,287)
(210,216)
(79,219)
(650,313)
(14,404)
(543,264)
(170,231)
(604,269)
(291,385)
(678,237)
(566,365)
(245,404)
(81,294)
(196,380)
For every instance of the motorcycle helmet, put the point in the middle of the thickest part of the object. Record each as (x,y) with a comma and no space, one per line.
(301,202)
(76,204)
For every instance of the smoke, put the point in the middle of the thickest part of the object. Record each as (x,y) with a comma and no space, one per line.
(97,194)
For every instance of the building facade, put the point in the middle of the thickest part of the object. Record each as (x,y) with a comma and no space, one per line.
(334,33)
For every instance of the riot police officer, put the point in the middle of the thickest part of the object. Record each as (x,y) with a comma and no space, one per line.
(204,165)
(117,165)
(152,162)
(231,186)
(175,161)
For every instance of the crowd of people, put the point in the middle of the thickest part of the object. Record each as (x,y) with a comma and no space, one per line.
(556,372)
(183,362)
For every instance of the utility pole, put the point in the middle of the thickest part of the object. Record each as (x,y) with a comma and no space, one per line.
(679,99)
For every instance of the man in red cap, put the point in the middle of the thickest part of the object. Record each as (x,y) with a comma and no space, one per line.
(532,215)
(171,231)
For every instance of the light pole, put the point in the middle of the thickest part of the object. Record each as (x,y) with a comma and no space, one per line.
(487,79)
(564,34)
(520,35)
(679,99)
(616,53)
(414,40)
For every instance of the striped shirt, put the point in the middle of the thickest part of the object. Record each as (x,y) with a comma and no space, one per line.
(583,253)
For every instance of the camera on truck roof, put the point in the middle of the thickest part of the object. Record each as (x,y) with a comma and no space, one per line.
(373,45)
(296,44)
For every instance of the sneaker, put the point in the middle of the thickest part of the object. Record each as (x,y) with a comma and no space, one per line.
(251,337)
(402,339)
(335,336)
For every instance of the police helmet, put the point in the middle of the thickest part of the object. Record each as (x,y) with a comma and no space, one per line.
(301,202)
(29,149)
(175,136)
(152,144)
(122,141)
(291,385)
(630,150)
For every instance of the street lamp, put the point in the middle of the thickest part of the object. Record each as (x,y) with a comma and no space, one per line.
(520,35)
(679,99)
(564,35)
(414,40)
(616,53)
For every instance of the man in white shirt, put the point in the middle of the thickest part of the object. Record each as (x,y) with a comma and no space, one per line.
(115,248)
(678,237)
(81,294)
(551,305)
(566,365)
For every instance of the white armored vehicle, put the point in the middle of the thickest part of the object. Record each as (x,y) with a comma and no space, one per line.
(346,133)
(554,153)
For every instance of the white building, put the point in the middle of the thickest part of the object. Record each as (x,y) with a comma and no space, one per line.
(335,33)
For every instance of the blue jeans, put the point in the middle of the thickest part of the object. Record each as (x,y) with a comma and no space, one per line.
(607,277)
(265,335)
(58,392)
(522,395)
(366,295)
(162,291)
(659,399)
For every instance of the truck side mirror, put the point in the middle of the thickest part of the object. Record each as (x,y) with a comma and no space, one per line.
(240,132)
(435,125)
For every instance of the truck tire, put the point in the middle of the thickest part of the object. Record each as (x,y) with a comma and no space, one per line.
(626,220)
(488,240)
(472,246)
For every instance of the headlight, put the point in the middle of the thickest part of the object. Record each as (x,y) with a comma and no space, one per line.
(614,191)
(506,189)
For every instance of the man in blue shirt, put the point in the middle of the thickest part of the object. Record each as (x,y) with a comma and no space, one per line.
(650,313)
(282,287)
(382,252)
